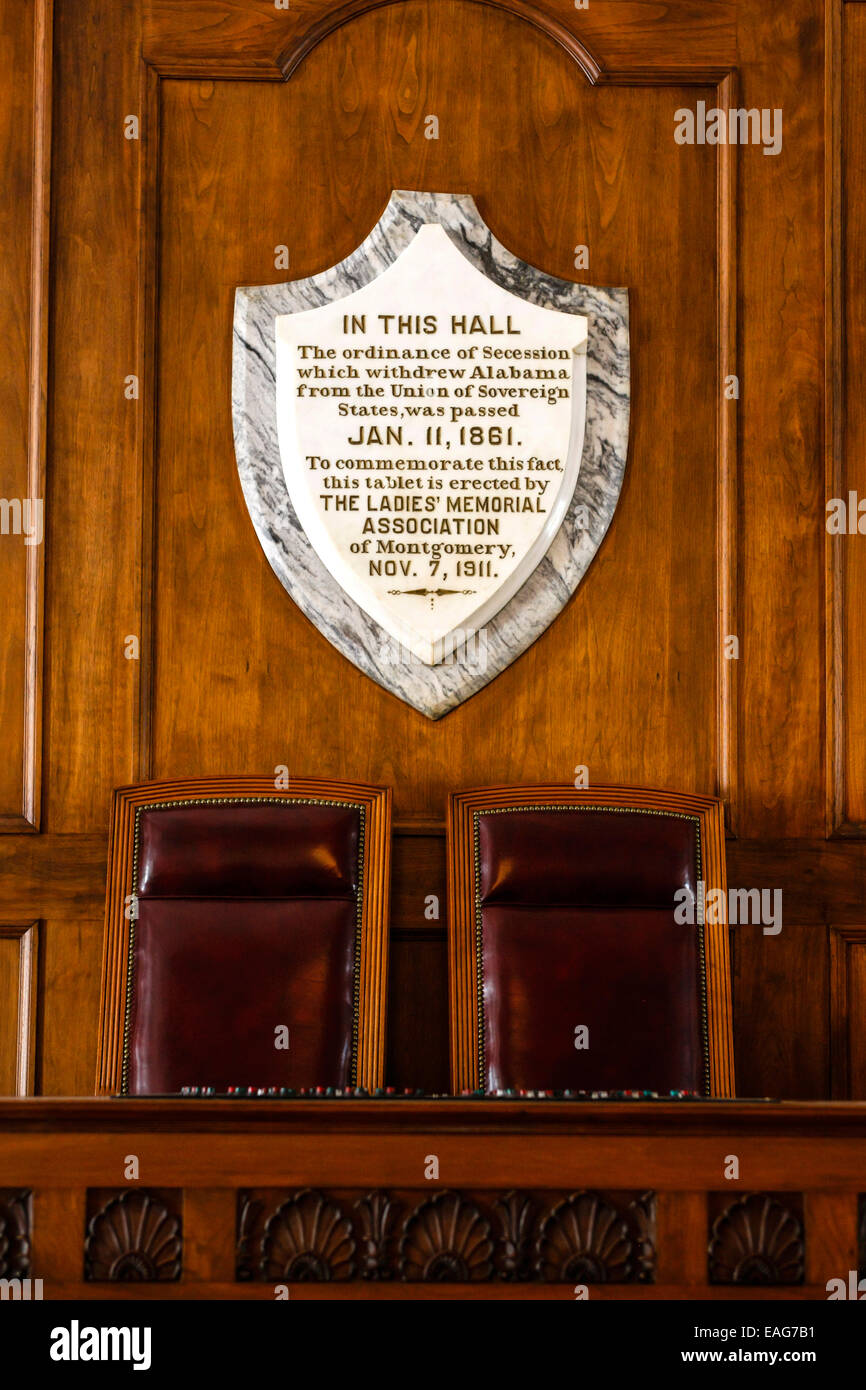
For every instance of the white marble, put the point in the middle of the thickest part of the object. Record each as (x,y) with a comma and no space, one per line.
(431,429)
(433,259)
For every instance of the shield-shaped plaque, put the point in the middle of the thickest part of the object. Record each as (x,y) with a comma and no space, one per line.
(431,439)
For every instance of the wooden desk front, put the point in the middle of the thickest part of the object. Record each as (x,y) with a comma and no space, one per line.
(339,1199)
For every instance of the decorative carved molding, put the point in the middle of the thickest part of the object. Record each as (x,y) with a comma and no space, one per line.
(308,1239)
(757,1240)
(516,1214)
(133,1237)
(188,38)
(450,1237)
(586,1240)
(303,44)
(583,1241)
(16,1220)
(446,1240)
(377,1216)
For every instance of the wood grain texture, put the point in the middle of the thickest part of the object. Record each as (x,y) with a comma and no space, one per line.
(831,1249)
(69,1003)
(25,138)
(94,533)
(417,1033)
(374,905)
(251,39)
(781,671)
(848,1012)
(19,986)
(847,433)
(781,992)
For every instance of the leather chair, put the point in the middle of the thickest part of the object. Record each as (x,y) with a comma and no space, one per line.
(234,911)
(562,917)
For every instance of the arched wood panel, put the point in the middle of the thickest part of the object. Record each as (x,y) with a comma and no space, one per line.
(553,163)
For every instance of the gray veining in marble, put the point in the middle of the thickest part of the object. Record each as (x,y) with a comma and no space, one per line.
(434,690)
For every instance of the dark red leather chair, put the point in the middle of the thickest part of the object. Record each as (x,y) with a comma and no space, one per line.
(562,917)
(235,911)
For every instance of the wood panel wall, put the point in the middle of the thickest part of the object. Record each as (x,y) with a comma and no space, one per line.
(262,127)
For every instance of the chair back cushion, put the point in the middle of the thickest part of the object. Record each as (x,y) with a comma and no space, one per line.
(247,924)
(588,981)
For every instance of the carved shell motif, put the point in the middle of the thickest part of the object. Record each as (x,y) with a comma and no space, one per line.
(583,1241)
(135,1238)
(308,1240)
(756,1240)
(446,1240)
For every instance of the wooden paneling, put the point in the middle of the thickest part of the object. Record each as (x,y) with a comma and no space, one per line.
(847,433)
(254,39)
(69,1005)
(95,520)
(848,1011)
(19,965)
(25,134)
(781,991)
(417,1024)
(591,161)
(560,123)
(781,531)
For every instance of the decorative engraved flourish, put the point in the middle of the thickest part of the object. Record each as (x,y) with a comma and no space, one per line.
(756,1240)
(515,1211)
(446,1240)
(583,1241)
(15,1210)
(134,1238)
(453,1237)
(642,1211)
(249,1212)
(308,1240)
(376,1214)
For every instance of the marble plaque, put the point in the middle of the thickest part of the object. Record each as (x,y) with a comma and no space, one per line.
(431,439)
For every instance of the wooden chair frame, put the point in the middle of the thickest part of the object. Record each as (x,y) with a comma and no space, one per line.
(464,912)
(374,804)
